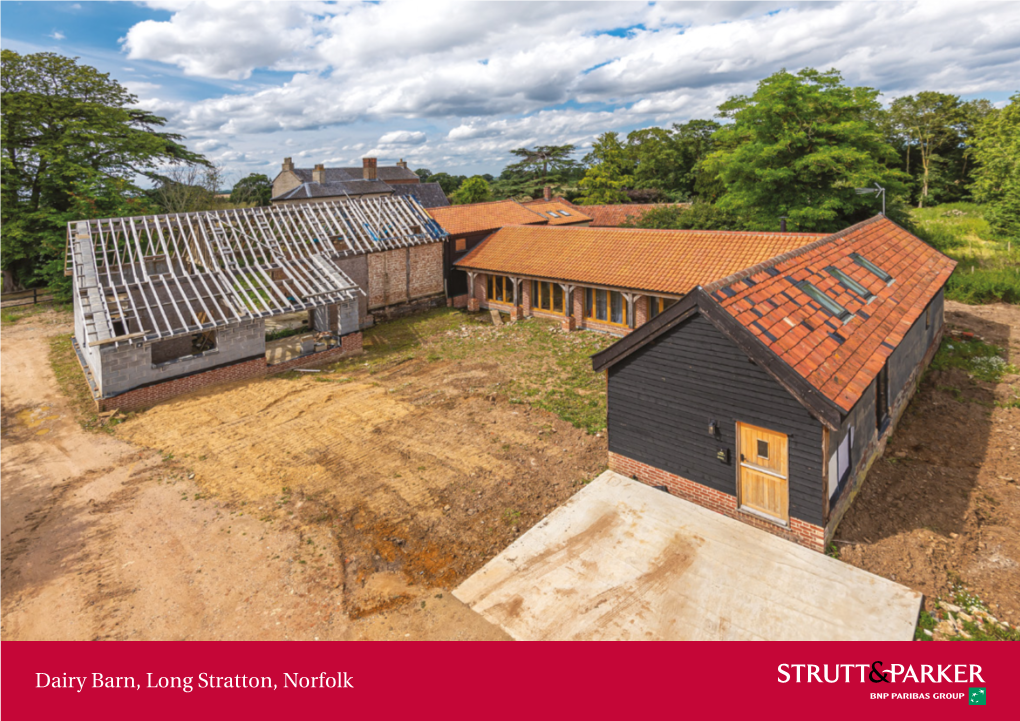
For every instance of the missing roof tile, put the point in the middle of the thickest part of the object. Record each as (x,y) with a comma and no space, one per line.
(764,332)
(838,338)
(729,291)
(772,271)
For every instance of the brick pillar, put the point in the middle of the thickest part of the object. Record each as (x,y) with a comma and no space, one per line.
(525,298)
(578,316)
(641,311)
(476,290)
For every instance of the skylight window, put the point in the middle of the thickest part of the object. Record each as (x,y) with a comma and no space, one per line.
(871,268)
(825,301)
(849,283)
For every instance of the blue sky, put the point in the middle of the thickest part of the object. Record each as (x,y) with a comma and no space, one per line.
(455,86)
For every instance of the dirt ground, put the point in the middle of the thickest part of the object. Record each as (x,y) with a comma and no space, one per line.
(333,506)
(943,504)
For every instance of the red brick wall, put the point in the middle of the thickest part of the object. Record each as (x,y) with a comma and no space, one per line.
(256,368)
(806,534)
(426,270)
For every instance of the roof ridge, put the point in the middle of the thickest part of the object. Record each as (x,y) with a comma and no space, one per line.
(771,262)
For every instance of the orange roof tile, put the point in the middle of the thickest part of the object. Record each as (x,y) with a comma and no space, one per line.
(839,359)
(663,261)
(559,212)
(481,217)
(612,216)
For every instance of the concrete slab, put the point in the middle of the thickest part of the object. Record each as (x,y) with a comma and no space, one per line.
(621,560)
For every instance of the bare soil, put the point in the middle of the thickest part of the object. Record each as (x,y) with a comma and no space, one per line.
(334,506)
(942,506)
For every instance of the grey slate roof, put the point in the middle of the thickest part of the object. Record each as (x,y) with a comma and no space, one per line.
(430,195)
(383,172)
(336,188)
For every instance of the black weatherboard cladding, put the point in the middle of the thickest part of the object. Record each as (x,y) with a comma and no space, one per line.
(663,397)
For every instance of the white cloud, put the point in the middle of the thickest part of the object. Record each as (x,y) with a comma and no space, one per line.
(406,76)
(57,35)
(403,137)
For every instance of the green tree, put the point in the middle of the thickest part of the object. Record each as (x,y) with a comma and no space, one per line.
(473,190)
(255,188)
(927,122)
(798,147)
(553,160)
(68,131)
(423,174)
(997,176)
(610,169)
(449,183)
(700,216)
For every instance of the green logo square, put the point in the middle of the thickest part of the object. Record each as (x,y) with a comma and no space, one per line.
(976,696)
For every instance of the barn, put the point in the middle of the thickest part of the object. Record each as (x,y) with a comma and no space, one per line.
(767,394)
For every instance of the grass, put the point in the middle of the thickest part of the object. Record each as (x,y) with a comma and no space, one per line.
(286,333)
(536,363)
(72,383)
(9,316)
(972,604)
(988,267)
(982,361)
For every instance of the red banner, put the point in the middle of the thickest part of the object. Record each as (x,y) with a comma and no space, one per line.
(482,680)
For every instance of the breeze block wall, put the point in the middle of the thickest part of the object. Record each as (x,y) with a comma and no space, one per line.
(800,532)
(150,395)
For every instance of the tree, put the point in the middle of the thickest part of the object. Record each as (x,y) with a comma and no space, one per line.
(927,121)
(473,190)
(700,216)
(423,174)
(449,183)
(609,171)
(255,189)
(798,147)
(187,189)
(997,177)
(69,131)
(547,157)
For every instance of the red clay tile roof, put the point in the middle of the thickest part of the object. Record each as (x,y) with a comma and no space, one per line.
(840,360)
(554,209)
(612,216)
(479,217)
(663,261)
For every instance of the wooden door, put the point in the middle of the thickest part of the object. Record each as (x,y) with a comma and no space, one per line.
(763,485)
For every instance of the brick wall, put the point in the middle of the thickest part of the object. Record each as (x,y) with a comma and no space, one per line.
(426,270)
(255,368)
(805,534)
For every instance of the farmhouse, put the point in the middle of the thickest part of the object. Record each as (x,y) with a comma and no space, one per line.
(767,394)
(606,279)
(304,185)
(164,304)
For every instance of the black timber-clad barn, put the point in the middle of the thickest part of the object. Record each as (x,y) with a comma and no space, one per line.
(766,395)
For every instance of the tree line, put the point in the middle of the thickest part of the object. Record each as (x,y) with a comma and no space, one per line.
(75,145)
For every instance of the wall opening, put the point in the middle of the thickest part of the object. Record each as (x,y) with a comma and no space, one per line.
(171,349)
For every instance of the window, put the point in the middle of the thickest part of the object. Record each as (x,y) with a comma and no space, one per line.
(546,296)
(882,398)
(841,462)
(657,305)
(763,449)
(182,346)
(849,283)
(825,301)
(461,245)
(500,289)
(606,305)
(871,268)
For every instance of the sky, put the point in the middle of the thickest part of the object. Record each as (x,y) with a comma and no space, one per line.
(454,86)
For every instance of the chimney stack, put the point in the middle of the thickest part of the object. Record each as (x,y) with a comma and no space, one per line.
(547,192)
(288,164)
(402,164)
(368,168)
(782,223)
(319,174)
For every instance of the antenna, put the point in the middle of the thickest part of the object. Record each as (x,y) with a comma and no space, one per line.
(877,190)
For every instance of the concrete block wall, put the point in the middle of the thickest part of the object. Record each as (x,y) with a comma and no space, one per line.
(130,365)
(150,395)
